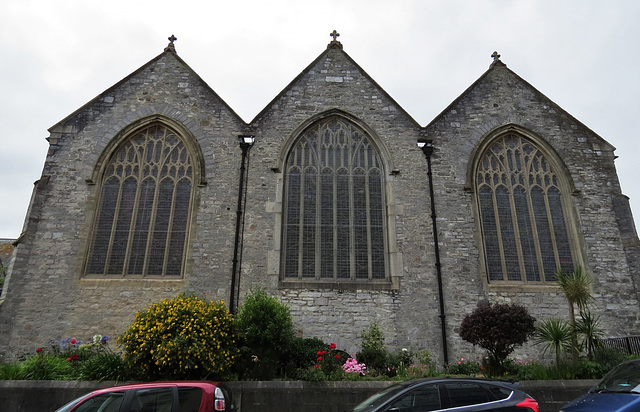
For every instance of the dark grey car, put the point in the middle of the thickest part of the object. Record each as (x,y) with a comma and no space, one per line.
(450,394)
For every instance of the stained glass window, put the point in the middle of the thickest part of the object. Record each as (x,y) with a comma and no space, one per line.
(523,219)
(334,206)
(142,221)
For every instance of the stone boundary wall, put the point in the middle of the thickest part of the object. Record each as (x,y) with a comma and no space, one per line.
(272,396)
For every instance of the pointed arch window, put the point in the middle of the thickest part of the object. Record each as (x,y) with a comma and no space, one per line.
(523,212)
(143,216)
(334,206)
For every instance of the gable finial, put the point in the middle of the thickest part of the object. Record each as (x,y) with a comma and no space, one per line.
(171,46)
(334,42)
(496,59)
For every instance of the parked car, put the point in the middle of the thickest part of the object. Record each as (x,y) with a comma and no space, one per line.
(618,391)
(450,394)
(182,396)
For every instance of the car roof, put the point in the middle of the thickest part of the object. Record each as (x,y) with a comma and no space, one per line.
(205,385)
(504,382)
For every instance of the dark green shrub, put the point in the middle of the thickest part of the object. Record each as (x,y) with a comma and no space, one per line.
(608,357)
(302,354)
(46,367)
(373,353)
(499,329)
(104,367)
(464,367)
(266,330)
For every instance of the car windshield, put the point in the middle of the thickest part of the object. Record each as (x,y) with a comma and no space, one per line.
(71,404)
(379,398)
(622,379)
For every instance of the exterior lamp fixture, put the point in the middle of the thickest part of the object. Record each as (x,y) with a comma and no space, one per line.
(245,142)
(427,148)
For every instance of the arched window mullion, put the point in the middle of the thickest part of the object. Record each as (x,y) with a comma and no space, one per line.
(114,226)
(136,204)
(499,234)
(167,245)
(552,231)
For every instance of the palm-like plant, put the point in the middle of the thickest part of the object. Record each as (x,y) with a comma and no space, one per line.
(588,327)
(554,334)
(577,290)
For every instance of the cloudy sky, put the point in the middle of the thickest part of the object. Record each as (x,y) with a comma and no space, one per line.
(57,55)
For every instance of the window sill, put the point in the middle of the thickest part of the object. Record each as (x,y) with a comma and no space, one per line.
(336,285)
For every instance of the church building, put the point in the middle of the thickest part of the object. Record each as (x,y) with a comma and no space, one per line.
(332,199)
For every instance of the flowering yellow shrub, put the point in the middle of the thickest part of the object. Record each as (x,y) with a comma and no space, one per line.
(185,337)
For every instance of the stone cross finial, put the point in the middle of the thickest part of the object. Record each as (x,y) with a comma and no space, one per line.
(335,43)
(495,56)
(171,47)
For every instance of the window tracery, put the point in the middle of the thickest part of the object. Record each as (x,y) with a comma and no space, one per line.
(522,212)
(142,220)
(334,206)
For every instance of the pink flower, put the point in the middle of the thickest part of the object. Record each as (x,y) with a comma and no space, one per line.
(332,346)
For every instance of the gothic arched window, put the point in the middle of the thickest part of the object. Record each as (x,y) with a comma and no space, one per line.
(142,220)
(334,206)
(523,212)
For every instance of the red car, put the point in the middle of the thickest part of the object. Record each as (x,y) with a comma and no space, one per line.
(182,396)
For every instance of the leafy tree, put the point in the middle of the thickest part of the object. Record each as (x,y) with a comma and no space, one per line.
(499,329)
(554,334)
(576,287)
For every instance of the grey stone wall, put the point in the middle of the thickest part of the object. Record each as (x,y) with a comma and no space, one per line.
(48,298)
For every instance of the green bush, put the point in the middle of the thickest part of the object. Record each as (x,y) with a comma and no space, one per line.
(464,367)
(264,322)
(181,338)
(373,353)
(46,367)
(266,330)
(11,371)
(104,367)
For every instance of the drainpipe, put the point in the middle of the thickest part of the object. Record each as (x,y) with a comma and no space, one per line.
(245,144)
(427,148)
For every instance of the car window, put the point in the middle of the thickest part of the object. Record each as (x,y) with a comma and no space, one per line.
(189,399)
(376,400)
(463,394)
(423,399)
(152,400)
(499,392)
(105,402)
(623,378)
